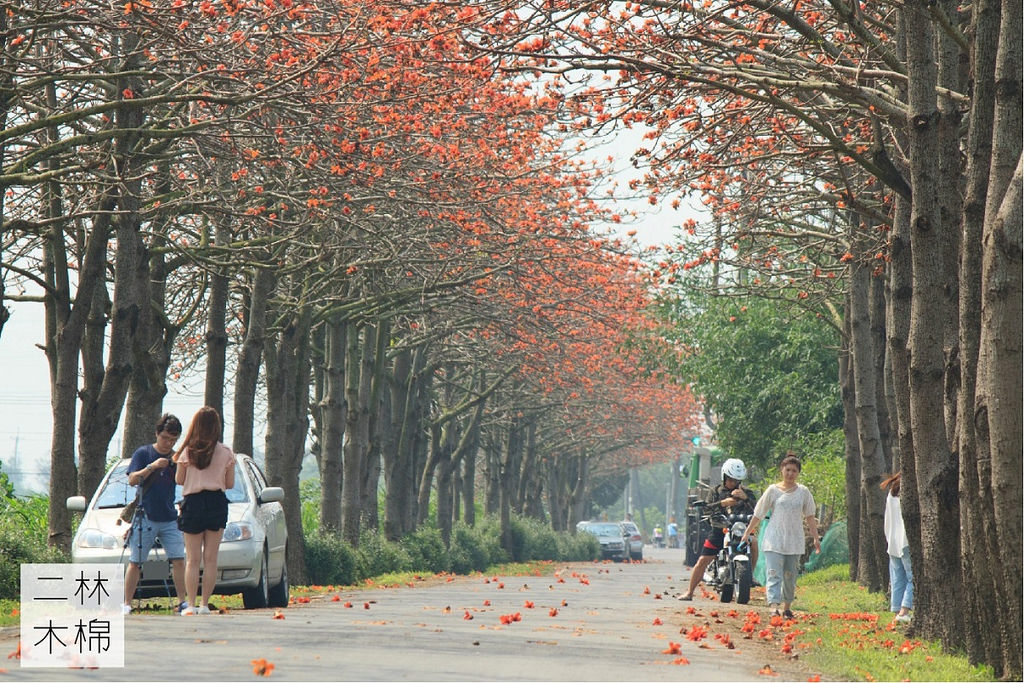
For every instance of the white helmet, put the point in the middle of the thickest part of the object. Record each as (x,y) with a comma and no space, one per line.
(734,469)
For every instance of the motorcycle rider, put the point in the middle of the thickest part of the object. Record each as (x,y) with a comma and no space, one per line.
(738,499)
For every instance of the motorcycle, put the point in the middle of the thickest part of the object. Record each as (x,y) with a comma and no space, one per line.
(729,572)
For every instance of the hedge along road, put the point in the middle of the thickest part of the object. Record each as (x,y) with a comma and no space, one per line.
(579,622)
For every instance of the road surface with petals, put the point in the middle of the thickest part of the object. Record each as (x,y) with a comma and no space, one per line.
(579,622)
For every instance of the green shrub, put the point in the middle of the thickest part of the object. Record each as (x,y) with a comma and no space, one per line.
(23,535)
(582,547)
(540,541)
(376,555)
(476,548)
(309,501)
(330,560)
(426,550)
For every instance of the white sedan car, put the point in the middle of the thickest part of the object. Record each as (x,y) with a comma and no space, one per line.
(251,558)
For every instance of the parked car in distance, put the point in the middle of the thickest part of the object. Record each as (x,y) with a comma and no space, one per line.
(610,535)
(634,541)
(250,560)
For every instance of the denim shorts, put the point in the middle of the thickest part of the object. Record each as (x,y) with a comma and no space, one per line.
(169,534)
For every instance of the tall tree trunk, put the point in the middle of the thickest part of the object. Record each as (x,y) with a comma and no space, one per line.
(248,372)
(358,377)
(102,403)
(853,466)
(332,409)
(998,404)
(580,490)
(66,321)
(152,357)
(398,458)
(374,424)
(871,557)
(934,464)
(977,512)
(469,483)
(288,372)
(216,328)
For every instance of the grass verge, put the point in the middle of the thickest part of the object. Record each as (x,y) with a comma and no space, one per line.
(854,637)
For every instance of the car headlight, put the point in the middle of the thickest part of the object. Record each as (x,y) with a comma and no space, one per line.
(94,538)
(237,531)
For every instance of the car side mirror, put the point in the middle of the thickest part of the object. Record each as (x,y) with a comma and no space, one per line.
(271,494)
(76,503)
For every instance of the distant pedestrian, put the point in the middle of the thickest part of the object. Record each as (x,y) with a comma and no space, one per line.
(791,505)
(673,534)
(901,578)
(206,469)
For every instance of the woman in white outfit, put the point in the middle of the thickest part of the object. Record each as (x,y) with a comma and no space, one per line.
(901,578)
(790,504)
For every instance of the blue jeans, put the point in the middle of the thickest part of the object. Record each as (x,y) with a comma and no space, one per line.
(901,580)
(780,577)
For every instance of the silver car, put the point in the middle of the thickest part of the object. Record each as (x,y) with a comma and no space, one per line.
(251,557)
(610,535)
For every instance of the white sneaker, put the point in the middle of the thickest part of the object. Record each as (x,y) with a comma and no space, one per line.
(188,611)
(202,609)
(126,609)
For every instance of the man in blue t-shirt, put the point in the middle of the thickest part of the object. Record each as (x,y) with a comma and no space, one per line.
(156,517)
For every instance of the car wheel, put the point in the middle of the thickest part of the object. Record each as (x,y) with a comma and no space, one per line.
(258,596)
(279,593)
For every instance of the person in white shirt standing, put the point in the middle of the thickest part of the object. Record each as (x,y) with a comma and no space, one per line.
(791,505)
(901,578)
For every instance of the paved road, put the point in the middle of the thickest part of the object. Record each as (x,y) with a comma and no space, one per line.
(603,631)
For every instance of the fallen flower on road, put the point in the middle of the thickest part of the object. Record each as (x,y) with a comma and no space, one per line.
(262,667)
(348,604)
(553,612)
(528,604)
(680,660)
(672,649)
(657,621)
(467,616)
(278,614)
(767,671)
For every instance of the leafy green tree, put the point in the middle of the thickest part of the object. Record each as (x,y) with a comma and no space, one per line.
(766,372)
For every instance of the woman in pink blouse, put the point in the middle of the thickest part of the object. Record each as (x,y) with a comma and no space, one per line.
(206,469)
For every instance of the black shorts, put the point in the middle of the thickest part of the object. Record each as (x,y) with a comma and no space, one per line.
(713,543)
(203,511)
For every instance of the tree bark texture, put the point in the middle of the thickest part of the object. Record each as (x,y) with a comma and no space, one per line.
(936,468)
(288,373)
(216,328)
(248,371)
(332,411)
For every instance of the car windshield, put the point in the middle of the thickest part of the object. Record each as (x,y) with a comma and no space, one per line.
(118,492)
(604,529)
